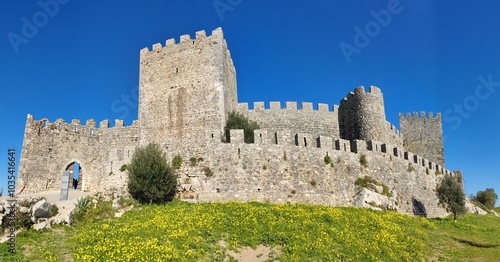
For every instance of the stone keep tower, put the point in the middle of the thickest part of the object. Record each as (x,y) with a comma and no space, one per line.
(362,115)
(423,136)
(186,90)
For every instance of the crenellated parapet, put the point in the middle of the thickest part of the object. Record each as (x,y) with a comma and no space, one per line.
(289,105)
(186,42)
(322,120)
(74,127)
(305,141)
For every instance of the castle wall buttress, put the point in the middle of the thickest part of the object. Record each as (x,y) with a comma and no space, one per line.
(185,89)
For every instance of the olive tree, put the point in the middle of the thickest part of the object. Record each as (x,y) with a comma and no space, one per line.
(150,178)
(451,195)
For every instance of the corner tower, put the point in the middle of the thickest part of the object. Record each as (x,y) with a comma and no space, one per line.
(423,136)
(185,90)
(362,115)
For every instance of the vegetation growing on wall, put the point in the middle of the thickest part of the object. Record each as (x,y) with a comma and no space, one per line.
(368,181)
(236,120)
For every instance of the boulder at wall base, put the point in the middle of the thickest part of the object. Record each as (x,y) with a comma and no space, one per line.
(65,213)
(41,209)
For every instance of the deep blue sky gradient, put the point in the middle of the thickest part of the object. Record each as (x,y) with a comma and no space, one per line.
(84,62)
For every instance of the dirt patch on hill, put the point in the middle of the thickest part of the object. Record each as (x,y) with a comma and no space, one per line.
(247,254)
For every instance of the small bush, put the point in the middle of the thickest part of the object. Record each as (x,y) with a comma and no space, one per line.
(264,167)
(367,180)
(488,198)
(327,159)
(208,172)
(82,206)
(410,167)
(151,179)
(236,120)
(363,161)
(313,183)
(427,170)
(22,220)
(123,168)
(177,162)
(53,210)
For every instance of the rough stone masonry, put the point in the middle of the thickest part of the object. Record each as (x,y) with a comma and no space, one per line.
(187,90)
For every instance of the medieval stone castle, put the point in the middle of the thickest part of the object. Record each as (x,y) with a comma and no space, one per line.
(300,154)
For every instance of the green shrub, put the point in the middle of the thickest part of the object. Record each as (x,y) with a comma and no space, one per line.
(177,162)
(208,172)
(410,167)
(53,210)
(488,198)
(363,161)
(151,179)
(81,209)
(236,120)
(22,220)
(313,183)
(427,170)
(367,180)
(123,168)
(327,159)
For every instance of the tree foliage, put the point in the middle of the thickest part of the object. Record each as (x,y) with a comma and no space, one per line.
(236,120)
(150,177)
(451,195)
(488,198)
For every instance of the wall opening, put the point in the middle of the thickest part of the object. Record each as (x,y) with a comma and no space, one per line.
(305,142)
(276,138)
(296,139)
(75,176)
(318,142)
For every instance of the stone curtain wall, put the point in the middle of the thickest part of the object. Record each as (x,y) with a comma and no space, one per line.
(323,121)
(185,89)
(282,173)
(423,136)
(49,148)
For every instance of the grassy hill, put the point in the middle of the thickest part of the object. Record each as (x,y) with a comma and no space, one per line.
(210,232)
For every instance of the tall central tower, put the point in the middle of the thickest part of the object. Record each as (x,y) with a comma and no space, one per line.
(185,90)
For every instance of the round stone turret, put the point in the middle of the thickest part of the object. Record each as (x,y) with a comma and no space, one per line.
(362,115)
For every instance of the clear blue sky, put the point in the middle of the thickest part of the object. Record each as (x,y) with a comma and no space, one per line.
(80,59)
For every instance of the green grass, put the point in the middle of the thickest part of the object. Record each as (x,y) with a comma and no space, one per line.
(180,231)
